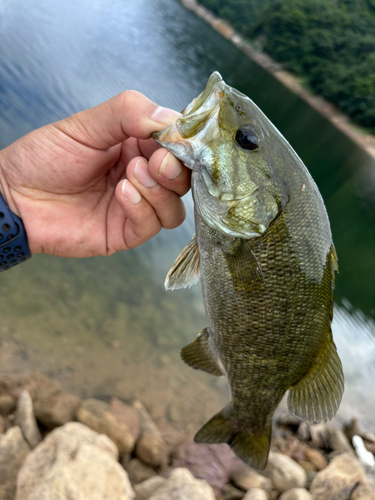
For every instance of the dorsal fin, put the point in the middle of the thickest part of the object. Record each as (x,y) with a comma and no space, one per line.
(185,271)
(317,395)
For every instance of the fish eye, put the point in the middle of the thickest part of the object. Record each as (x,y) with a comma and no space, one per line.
(246,138)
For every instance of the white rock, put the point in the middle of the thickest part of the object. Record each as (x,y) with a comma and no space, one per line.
(246,479)
(74,463)
(26,421)
(13,451)
(365,456)
(256,494)
(284,472)
(296,494)
(182,485)
(144,490)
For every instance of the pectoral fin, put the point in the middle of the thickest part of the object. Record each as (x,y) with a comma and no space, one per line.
(185,271)
(243,265)
(334,265)
(317,395)
(198,355)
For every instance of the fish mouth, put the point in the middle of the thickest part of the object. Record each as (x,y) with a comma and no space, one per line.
(182,138)
(212,84)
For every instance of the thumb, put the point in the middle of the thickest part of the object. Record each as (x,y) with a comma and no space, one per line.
(129,114)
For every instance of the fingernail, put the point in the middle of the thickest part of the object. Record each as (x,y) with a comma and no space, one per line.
(142,175)
(129,192)
(165,116)
(170,167)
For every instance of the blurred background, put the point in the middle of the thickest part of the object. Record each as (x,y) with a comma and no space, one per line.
(106,326)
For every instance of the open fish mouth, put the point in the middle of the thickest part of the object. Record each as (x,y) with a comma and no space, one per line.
(214,83)
(186,137)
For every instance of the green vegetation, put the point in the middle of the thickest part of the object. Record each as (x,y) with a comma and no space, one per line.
(331,43)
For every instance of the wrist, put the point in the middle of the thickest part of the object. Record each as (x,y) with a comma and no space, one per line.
(14,247)
(4,186)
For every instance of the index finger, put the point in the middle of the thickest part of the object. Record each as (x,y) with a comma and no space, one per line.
(129,114)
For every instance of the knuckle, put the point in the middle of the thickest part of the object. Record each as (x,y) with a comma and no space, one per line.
(127,97)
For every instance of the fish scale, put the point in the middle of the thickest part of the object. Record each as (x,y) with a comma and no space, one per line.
(264,253)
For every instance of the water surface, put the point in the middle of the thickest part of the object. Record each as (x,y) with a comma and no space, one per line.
(105,326)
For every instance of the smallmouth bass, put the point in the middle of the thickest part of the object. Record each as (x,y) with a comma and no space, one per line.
(264,253)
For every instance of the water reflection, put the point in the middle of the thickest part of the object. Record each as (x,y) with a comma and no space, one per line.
(106,326)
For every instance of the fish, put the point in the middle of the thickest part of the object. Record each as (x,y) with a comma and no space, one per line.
(264,254)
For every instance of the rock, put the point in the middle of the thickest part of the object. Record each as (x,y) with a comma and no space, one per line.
(229,492)
(73,462)
(304,431)
(337,441)
(256,494)
(319,436)
(2,425)
(172,437)
(96,415)
(181,485)
(288,420)
(363,492)
(126,414)
(13,451)
(150,447)
(214,463)
(338,480)
(352,429)
(284,472)
(246,478)
(52,405)
(297,450)
(296,494)
(138,471)
(364,456)
(7,404)
(144,490)
(316,458)
(26,421)
(307,466)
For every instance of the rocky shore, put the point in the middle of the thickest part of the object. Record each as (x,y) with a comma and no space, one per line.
(365,140)
(55,446)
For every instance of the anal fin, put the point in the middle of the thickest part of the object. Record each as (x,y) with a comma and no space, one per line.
(198,355)
(317,396)
(185,271)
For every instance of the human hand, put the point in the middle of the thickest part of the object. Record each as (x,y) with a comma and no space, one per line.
(66,180)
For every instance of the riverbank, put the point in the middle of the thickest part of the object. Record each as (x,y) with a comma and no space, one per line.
(329,111)
(56,445)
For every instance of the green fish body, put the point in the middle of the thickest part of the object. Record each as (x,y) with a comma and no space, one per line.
(264,253)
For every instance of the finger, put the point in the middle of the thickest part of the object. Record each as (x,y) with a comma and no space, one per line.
(142,222)
(169,172)
(127,114)
(148,147)
(167,205)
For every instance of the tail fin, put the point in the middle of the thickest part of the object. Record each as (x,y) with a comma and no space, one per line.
(249,445)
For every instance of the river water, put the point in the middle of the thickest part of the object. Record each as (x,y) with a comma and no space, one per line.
(105,326)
